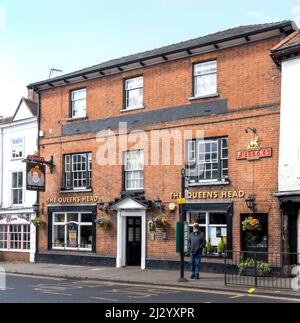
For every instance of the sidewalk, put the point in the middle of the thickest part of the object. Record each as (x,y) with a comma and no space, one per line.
(208,281)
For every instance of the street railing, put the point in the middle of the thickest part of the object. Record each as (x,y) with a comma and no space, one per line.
(263,270)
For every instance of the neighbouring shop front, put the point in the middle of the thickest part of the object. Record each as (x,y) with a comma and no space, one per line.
(17,237)
(290,207)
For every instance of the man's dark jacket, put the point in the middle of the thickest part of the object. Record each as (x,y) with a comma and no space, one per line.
(197,243)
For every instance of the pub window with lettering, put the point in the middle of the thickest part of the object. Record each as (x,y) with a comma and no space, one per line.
(72,231)
(212,224)
(78,171)
(207,160)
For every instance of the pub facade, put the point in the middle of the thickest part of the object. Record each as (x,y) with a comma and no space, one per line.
(120,135)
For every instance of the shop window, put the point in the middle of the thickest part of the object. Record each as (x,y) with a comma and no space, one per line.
(73,231)
(15,237)
(212,224)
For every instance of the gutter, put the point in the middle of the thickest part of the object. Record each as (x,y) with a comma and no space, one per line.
(162,54)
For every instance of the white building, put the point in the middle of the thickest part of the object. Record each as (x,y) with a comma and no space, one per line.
(287,55)
(18,138)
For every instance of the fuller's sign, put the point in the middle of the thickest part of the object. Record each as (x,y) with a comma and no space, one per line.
(254,154)
(254,151)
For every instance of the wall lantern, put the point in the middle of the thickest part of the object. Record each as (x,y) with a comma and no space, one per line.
(100,205)
(250,201)
(158,203)
(36,207)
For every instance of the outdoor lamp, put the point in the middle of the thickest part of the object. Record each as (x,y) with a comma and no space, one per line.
(158,203)
(36,207)
(100,205)
(250,201)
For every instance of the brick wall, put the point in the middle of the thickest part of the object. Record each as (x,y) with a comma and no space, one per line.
(247,78)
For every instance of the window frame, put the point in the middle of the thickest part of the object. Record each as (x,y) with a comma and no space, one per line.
(195,162)
(65,225)
(208,225)
(72,101)
(126,91)
(195,77)
(88,172)
(9,239)
(126,189)
(17,188)
(23,148)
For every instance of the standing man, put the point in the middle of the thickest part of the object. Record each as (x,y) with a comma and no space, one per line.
(196,243)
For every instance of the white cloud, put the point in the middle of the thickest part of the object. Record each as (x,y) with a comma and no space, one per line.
(2,19)
(296,14)
(263,17)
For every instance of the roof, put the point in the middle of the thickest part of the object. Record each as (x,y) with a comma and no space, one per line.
(32,106)
(287,47)
(5,120)
(208,43)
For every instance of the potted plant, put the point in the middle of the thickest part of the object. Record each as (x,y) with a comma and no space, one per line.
(38,222)
(208,247)
(221,248)
(104,223)
(160,222)
(251,224)
(247,268)
(264,269)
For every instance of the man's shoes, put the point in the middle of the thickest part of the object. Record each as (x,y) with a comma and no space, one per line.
(193,277)
(197,277)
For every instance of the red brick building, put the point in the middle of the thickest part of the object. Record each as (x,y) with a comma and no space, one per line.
(221,84)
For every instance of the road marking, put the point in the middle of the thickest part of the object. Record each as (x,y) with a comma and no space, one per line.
(105,299)
(237,296)
(36,277)
(276,298)
(53,293)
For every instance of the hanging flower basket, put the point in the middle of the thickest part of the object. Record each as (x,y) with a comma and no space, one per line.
(251,224)
(38,222)
(104,223)
(160,222)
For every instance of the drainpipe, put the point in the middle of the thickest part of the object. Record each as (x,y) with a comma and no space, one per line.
(1,166)
(38,195)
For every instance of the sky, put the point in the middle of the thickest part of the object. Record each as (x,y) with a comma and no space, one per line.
(73,34)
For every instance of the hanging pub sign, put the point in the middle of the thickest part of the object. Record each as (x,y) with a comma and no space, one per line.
(36,175)
(36,172)
(254,151)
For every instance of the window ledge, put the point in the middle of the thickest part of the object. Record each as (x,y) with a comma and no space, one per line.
(76,191)
(214,95)
(76,119)
(133,109)
(221,183)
